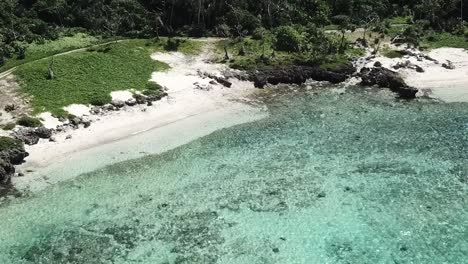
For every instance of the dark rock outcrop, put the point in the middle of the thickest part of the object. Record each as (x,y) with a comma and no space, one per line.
(408,65)
(27,135)
(448,65)
(31,136)
(14,155)
(221,80)
(11,153)
(131,102)
(298,75)
(118,103)
(43,132)
(386,78)
(6,172)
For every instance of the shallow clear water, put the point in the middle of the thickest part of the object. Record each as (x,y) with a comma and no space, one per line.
(328,178)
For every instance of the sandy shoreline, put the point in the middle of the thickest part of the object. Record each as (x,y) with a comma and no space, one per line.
(185,115)
(189,113)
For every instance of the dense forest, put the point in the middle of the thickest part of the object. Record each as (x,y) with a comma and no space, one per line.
(25,21)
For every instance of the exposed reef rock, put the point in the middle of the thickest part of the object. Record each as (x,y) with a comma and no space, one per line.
(386,78)
(299,75)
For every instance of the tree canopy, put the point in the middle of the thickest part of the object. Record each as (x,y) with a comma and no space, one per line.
(36,20)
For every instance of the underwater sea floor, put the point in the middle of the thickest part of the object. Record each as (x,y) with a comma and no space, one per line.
(329,177)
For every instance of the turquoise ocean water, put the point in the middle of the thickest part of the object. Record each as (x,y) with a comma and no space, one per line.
(357,177)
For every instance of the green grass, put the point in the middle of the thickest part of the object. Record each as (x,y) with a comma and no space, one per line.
(88,77)
(399,20)
(37,51)
(392,54)
(331,27)
(439,40)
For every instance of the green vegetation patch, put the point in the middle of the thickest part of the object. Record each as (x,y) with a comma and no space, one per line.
(392,54)
(439,40)
(251,54)
(7,143)
(28,121)
(88,77)
(37,50)
(9,126)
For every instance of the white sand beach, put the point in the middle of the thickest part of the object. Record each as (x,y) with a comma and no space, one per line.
(185,115)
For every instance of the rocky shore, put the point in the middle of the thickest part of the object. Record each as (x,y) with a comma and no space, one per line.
(375,75)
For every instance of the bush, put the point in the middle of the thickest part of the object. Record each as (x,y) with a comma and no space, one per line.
(172,44)
(156,93)
(20,52)
(152,86)
(7,143)
(9,126)
(28,121)
(223,30)
(288,38)
(99,101)
(260,33)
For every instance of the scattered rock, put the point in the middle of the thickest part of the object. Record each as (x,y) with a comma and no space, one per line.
(322,195)
(408,65)
(131,102)
(202,87)
(68,137)
(43,132)
(118,103)
(149,103)
(449,65)
(140,99)
(96,110)
(221,80)
(377,64)
(10,108)
(109,107)
(76,121)
(52,139)
(419,69)
(86,123)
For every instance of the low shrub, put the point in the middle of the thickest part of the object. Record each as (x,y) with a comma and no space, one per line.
(152,86)
(9,126)
(98,100)
(28,121)
(172,44)
(7,143)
